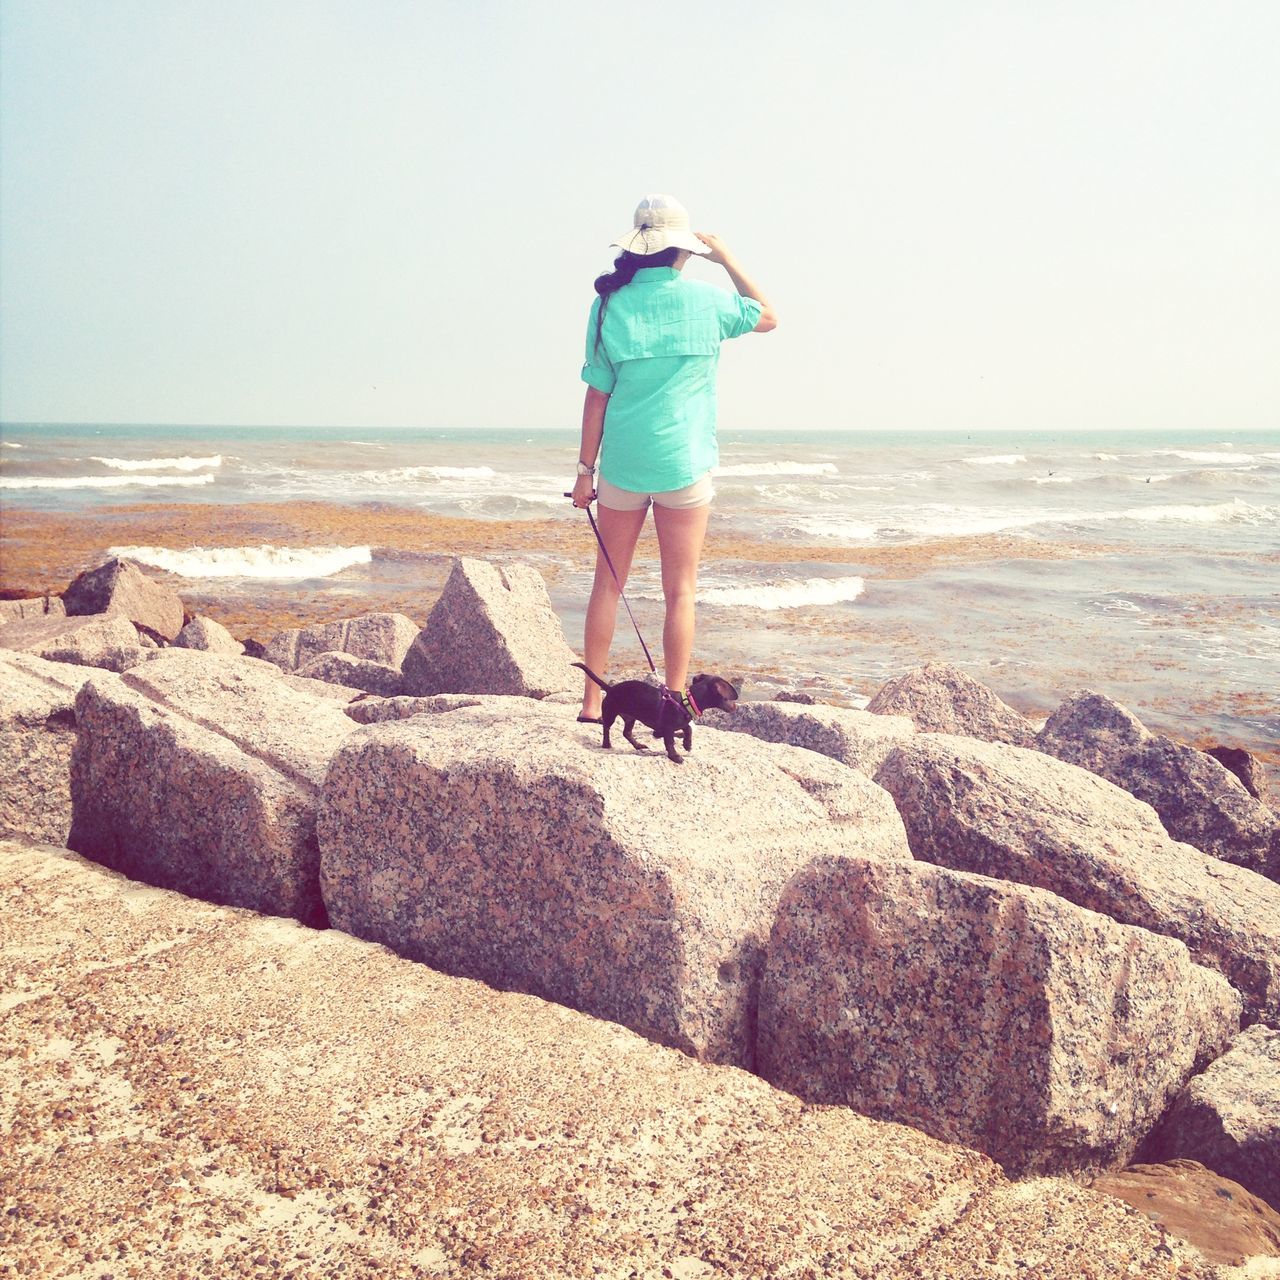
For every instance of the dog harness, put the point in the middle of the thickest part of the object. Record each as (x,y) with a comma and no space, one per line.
(684,701)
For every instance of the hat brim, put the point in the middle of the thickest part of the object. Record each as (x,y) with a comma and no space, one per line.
(656,239)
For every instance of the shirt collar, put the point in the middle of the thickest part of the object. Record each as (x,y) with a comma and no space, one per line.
(650,275)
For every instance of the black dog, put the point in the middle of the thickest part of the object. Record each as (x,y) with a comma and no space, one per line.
(663,711)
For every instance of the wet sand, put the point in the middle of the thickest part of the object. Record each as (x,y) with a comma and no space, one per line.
(923,611)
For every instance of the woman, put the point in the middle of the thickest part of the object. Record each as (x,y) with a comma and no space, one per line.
(653,342)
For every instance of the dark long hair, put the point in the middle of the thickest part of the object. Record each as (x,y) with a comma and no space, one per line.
(624,270)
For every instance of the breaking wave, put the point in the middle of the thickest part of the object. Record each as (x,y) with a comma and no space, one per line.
(103,482)
(778,469)
(161,464)
(284,563)
(1201,455)
(787,594)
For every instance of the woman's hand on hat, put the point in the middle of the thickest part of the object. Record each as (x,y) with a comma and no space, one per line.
(717,250)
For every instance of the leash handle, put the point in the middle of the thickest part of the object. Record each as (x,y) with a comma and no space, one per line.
(609,561)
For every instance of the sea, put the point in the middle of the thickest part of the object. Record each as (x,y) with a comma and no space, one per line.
(1142,563)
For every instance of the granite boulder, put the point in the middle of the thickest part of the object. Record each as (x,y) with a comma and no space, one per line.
(985,1013)
(515,850)
(1018,815)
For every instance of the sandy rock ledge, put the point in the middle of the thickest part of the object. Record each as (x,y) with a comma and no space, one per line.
(195,1090)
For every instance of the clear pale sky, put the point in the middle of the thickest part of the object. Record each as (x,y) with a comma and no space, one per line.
(1024,214)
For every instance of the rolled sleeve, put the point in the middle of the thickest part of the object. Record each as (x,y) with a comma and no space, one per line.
(739,315)
(598,370)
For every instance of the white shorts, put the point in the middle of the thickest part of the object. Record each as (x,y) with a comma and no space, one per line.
(697,494)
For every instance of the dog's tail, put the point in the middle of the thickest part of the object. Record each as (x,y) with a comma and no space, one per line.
(592,674)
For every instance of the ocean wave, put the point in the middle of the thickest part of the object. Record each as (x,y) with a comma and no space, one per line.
(1201,455)
(1000,459)
(266,561)
(1236,511)
(458,473)
(103,482)
(161,464)
(787,594)
(777,469)
(937,521)
(1051,479)
(292,481)
(844,529)
(1107,457)
(11,444)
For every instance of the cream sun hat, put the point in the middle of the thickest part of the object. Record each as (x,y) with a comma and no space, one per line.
(660,222)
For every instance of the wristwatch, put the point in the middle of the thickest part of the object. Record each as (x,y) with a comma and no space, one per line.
(584,470)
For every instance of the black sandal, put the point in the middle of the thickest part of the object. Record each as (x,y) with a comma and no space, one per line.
(591,720)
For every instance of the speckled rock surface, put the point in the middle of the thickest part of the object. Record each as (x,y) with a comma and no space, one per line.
(374,637)
(491,631)
(940,698)
(1229,1116)
(856,738)
(356,673)
(1018,815)
(515,850)
(986,1013)
(209,636)
(37,730)
(1250,771)
(1198,799)
(34,607)
(110,642)
(121,587)
(1220,1217)
(376,710)
(201,773)
(194,1091)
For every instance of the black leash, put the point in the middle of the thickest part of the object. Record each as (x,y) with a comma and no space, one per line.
(609,561)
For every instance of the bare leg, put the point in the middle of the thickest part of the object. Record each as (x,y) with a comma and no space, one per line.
(680,536)
(620,531)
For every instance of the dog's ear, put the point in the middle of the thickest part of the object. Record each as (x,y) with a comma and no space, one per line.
(702,675)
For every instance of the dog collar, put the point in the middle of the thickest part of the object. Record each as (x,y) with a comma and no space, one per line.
(689,702)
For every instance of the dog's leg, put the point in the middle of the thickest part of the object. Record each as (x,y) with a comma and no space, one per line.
(672,754)
(628,732)
(688,737)
(607,723)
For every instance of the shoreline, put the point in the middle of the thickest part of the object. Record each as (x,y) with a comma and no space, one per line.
(926,605)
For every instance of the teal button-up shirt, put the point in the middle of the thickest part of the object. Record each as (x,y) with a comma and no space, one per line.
(656,361)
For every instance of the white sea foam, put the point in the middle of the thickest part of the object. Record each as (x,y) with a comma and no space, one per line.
(103,482)
(458,473)
(11,444)
(184,463)
(998,460)
(1201,455)
(399,475)
(367,444)
(787,594)
(266,561)
(838,527)
(1107,457)
(1052,480)
(1235,511)
(778,469)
